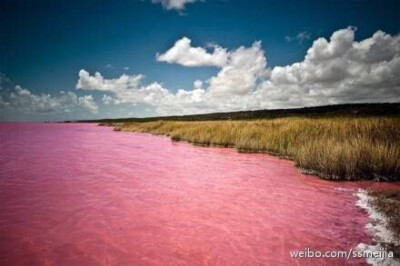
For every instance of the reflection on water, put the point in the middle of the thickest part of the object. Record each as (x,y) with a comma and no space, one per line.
(78,194)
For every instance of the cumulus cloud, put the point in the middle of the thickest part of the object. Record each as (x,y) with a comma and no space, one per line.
(184,54)
(198,84)
(126,88)
(87,102)
(343,70)
(97,82)
(20,99)
(240,72)
(338,70)
(239,75)
(173,4)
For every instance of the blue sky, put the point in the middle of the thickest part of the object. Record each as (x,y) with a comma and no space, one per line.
(44,45)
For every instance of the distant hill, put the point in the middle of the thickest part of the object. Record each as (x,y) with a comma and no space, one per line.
(370,109)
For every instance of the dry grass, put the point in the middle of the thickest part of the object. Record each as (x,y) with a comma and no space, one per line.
(336,148)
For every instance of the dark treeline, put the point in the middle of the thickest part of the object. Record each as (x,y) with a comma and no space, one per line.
(357,110)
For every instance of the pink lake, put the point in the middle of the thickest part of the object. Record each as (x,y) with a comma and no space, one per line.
(80,194)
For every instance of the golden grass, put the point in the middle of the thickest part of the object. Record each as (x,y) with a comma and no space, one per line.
(338,148)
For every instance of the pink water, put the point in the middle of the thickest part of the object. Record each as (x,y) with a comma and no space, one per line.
(78,194)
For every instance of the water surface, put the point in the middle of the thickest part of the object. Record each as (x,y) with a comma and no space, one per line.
(79,194)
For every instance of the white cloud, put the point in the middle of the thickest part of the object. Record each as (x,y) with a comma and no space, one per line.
(184,54)
(88,103)
(300,37)
(97,82)
(127,89)
(380,47)
(20,99)
(3,104)
(240,73)
(107,99)
(198,84)
(242,69)
(338,70)
(173,4)
(340,42)
(342,70)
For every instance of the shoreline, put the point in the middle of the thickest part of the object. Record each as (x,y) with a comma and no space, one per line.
(382,234)
(332,148)
(383,237)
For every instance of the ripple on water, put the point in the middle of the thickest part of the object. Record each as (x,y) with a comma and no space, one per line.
(78,193)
